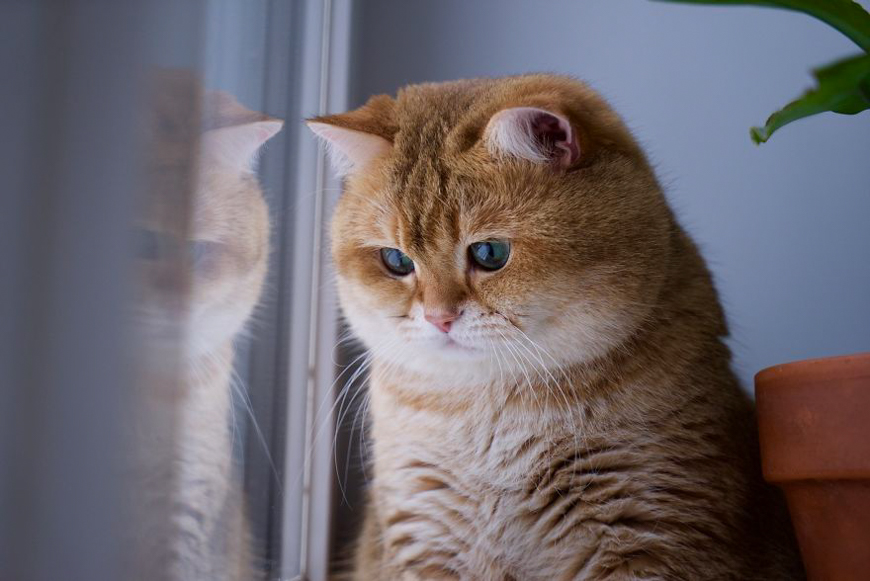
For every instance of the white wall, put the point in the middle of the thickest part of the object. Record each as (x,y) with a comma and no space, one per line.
(785,226)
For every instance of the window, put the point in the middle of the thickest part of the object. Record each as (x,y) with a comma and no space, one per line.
(81,164)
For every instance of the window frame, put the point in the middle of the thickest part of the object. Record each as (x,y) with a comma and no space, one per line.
(290,366)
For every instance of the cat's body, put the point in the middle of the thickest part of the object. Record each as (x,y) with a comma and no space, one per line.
(651,476)
(567,412)
(213,541)
(202,261)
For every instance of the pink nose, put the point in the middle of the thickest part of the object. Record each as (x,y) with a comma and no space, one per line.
(442,319)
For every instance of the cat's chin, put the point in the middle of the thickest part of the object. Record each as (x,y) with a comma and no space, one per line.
(454,348)
(450,363)
(446,349)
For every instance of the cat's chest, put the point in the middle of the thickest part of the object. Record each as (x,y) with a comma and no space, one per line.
(204,442)
(503,498)
(479,451)
(479,479)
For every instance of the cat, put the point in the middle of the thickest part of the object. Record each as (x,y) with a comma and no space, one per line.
(550,394)
(202,260)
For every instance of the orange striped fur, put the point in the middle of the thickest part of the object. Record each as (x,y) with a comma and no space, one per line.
(580,419)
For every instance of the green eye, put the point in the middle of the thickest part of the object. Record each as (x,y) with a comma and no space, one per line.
(396,261)
(491,254)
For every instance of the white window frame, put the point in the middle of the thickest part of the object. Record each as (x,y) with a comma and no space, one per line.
(325,76)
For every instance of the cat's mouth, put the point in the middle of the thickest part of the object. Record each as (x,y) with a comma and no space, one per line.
(452,345)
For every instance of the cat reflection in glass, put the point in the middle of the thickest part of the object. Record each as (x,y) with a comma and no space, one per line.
(202,246)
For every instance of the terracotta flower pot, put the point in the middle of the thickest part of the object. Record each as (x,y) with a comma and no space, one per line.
(814,429)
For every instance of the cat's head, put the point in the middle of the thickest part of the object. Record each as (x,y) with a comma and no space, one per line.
(491,226)
(202,256)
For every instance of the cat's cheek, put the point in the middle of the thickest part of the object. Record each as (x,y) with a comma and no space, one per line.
(366,322)
(593,332)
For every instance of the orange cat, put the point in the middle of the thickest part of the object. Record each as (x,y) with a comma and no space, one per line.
(203,246)
(551,397)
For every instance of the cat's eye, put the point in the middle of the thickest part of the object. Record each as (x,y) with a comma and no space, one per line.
(149,244)
(490,254)
(396,261)
(201,252)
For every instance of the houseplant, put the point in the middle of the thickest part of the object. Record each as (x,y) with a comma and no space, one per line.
(842,86)
(814,415)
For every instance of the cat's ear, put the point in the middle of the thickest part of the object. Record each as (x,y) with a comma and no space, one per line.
(533,134)
(349,150)
(236,147)
(354,139)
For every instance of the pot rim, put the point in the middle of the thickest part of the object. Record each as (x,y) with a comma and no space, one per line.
(817,369)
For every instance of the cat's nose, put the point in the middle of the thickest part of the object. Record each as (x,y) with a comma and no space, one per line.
(442,319)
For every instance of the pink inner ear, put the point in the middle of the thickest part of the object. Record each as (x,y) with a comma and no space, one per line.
(263,134)
(555,137)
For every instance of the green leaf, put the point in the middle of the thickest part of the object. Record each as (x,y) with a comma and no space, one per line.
(847,16)
(843,87)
